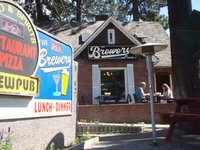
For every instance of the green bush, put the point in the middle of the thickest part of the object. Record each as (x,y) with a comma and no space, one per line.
(86,136)
(5,140)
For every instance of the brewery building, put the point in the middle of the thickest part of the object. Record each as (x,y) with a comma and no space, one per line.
(107,71)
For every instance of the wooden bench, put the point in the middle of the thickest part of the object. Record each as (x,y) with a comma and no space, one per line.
(193,114)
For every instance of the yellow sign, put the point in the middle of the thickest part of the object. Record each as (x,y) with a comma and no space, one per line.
(11,84)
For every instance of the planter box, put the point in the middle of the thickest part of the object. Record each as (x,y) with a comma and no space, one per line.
(106,128)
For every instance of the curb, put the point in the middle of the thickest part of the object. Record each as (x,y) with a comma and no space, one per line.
(86,145)
(89,143)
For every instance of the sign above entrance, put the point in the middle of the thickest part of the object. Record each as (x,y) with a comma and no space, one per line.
(110,52)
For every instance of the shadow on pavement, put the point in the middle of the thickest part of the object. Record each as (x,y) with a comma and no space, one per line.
(143,141)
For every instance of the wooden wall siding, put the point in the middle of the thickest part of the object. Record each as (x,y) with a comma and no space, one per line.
(121,113)
(120,38)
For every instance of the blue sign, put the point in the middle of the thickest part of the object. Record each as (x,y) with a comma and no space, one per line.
(54,69)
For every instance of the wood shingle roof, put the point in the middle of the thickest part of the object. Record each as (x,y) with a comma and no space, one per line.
(152,32)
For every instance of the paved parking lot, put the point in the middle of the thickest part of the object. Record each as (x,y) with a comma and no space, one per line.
(143,141)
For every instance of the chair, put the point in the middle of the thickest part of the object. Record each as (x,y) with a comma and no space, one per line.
(135,97)
(128,99)
(101,100)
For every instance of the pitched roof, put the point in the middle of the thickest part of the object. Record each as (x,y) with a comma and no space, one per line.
(153,31)
(95,34)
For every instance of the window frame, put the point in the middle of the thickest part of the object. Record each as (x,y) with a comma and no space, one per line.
(115,68)
(111,36)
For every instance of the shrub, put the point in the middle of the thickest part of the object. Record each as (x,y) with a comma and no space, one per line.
(86,136)
(5,140)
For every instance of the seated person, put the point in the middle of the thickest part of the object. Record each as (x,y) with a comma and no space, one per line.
(167,93)
(140,94)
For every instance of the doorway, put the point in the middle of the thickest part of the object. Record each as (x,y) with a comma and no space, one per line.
(160,79)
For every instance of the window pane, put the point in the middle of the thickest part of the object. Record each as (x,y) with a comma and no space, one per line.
(111,37)
(113,83)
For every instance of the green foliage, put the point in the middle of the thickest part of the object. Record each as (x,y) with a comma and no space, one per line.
(96,121)
(86,136)
(52,146)
(141,123)
(81,139)
(47,10)
(123,10)
(5,140)
(60,10)
(65,11)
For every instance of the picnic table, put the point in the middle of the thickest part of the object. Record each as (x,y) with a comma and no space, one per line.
(172,118)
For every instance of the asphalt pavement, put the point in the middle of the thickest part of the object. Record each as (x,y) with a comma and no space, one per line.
(143,141)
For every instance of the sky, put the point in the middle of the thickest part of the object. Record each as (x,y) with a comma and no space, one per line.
(195,5)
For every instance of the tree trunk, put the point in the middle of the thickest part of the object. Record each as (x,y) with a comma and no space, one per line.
(39,13)
(78,12)
(135,10)
(184,67)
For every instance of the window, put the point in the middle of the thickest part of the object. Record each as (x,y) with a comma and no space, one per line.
(111,36)
(117,82)
(113,83)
